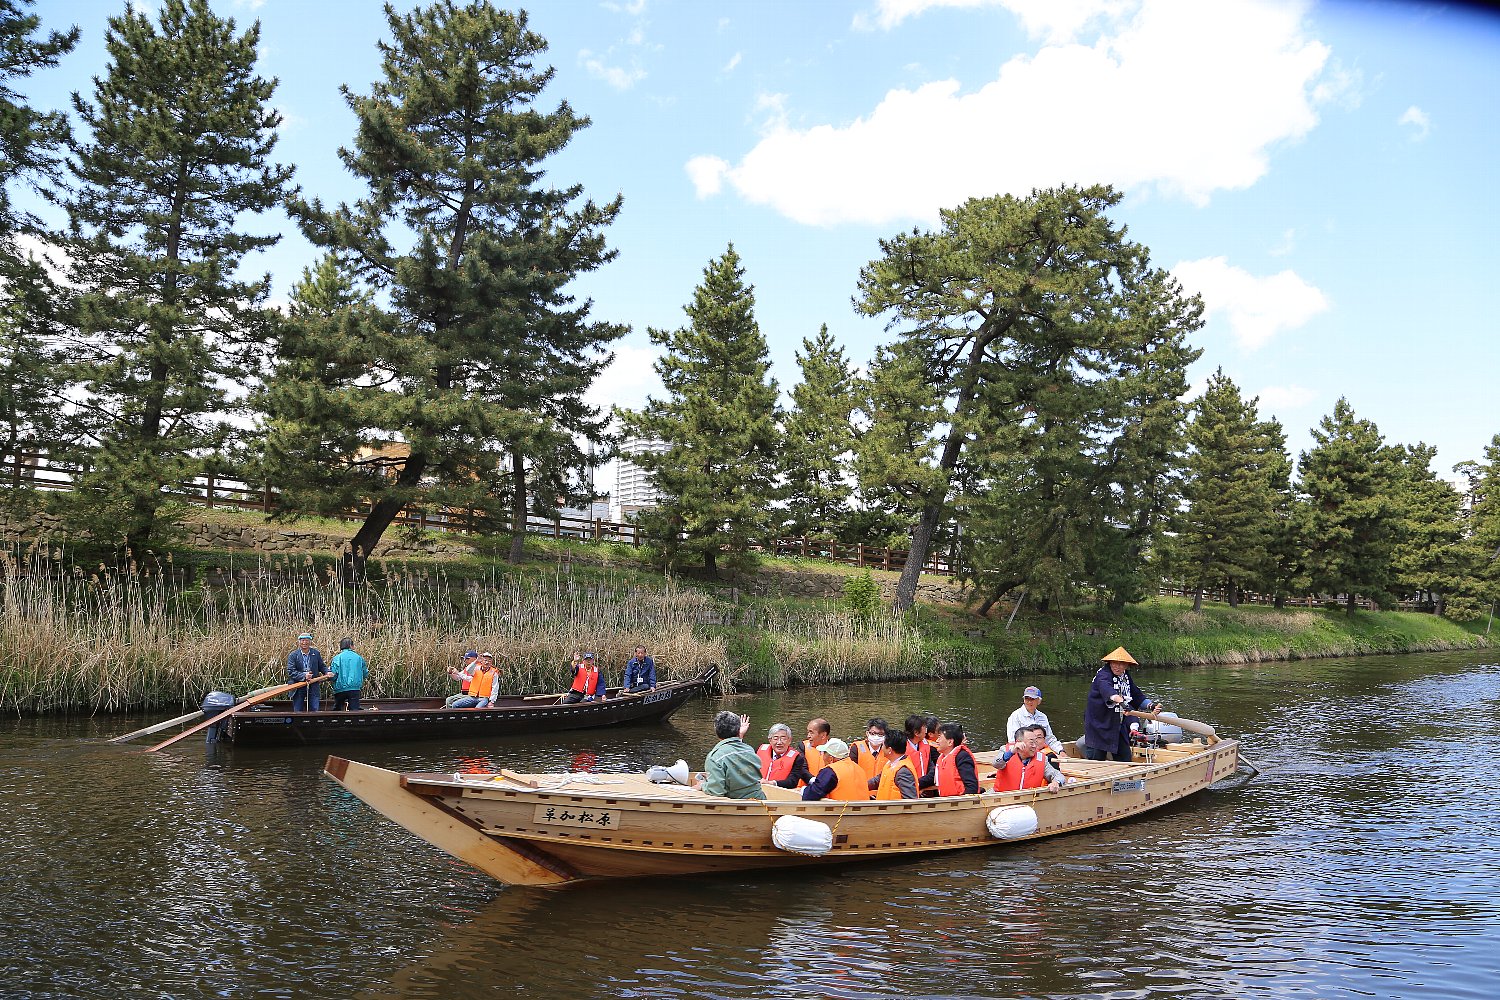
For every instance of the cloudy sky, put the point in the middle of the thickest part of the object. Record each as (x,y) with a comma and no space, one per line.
(1322,174)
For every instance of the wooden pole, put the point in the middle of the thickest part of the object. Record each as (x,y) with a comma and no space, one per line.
(265,695)
(175,722)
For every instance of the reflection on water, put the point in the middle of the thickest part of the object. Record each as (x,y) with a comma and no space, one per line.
(1360,864)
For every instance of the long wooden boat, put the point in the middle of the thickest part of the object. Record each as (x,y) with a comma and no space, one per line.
(560,829)
(388,719)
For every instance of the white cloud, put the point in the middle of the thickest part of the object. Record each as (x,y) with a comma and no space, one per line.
(628,380)
(1198,95)
(1287,245)
(618,77)
(707,174)
(1256,308)
(633,7)
(1418,119)
(250,4)
(1276,398)
(734,61)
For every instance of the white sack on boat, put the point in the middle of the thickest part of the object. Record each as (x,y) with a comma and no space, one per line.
(802,836)
(1010,822)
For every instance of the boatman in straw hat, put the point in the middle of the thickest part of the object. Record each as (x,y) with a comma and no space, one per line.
(1111,695)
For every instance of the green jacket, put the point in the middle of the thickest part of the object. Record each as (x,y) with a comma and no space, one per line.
(348,669)
(733,770)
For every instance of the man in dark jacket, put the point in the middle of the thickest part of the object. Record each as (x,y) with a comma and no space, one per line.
(1112,694)
(303,664)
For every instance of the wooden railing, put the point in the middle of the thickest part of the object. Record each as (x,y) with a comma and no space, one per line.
(217,492)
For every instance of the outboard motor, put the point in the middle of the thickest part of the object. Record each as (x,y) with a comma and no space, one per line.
(216,702)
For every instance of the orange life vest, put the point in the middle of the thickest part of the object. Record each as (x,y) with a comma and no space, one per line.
(815,759)
(948,781)
(482,684)
(1015,776)
(888,789)
(586,679)
(778,769)
(869,760)
(919,752)
(853,786)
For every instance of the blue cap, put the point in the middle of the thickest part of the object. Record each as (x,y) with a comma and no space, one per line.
(472,654)
(304,635)
(588,656)
(1032,692)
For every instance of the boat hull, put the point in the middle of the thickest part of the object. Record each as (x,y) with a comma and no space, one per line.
(390,720)
(620,826)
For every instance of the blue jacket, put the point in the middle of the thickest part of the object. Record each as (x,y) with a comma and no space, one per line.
(640,672)
(348,669)
(1102,724)
(301,668)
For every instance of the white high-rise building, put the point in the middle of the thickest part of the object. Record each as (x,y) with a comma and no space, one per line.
(634,490)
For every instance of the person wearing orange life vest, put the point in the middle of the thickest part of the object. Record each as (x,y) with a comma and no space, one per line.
(588,682)
(897,779)
(956,773)
(866,752)
(780,763)
(922,755)
(463,673)
(1022,765)
(818,731)
(841,780)
(483,686)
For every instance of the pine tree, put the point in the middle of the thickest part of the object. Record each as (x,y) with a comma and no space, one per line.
(1478,550)
(1038,316)
(815,454)
(180,134)
(895,465)
(481,377)
(718,421)
(1284,566)
(1426,559)
(1350,519)
(1225,531)
(31,388)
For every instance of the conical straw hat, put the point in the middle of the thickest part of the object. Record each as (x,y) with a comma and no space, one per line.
(1120,656)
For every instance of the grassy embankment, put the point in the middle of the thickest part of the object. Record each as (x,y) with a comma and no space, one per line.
(71,639)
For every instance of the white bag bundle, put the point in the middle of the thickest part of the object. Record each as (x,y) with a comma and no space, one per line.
(800,835)
(1010,822)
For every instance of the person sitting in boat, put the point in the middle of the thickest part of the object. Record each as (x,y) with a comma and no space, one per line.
(840,779)
(640,673)
(866,752)
(897,779)
(956,773)
(483,686)
(1022,764)
(304,664)
(1030,714)
(921,753)
(588,682)
(780,763)
(463,673)
(818,733)
(348,669)
(1112,694)
(731,769)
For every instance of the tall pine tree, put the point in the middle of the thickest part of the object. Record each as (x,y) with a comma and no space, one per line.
(31,388)
(1224,532)
(816,453)
(481,379)
(1350,518)
(1427,558)
(1478,590)
(180,132)
(718,421)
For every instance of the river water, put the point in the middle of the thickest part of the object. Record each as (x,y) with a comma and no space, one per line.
(1364,862)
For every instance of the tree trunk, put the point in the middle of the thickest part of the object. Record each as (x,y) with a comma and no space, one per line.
(1280,603)
(1349,607)
(380,518)
(921,540)
(710,561)
(1232,592)
(517,508)
(1198,599)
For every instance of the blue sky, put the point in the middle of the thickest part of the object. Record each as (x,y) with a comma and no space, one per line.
(1323,174)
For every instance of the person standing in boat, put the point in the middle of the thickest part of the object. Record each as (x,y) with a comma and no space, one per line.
(840,779)
(956,772)
(348,669)
(898,780)
(732,769)
(1030,714)
(780,763)
(1112,694)
(640,673)
(588,682)
(1022,765)
(303,664)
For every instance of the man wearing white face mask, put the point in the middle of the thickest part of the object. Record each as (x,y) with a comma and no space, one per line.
(866,752)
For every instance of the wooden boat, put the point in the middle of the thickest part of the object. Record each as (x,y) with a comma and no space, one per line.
(386,719)
(559,829)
